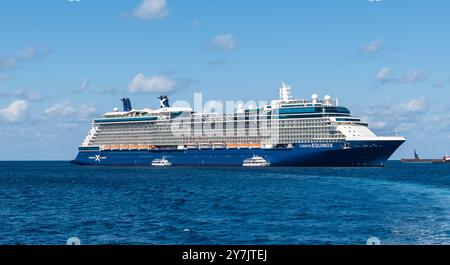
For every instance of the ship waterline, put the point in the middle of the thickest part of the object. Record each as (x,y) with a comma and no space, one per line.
(286,132)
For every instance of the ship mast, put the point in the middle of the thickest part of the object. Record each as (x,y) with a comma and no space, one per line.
(285,93)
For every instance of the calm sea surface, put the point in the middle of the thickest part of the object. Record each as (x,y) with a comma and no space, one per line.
(48,202)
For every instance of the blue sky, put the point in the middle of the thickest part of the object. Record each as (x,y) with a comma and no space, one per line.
(64,62)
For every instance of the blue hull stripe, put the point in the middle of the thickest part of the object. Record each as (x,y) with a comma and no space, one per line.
(359,153)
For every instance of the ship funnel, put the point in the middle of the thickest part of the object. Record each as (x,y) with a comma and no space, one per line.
(163,102)
(126,104)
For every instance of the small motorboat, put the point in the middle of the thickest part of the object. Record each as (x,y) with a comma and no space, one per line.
(255,161)
(161,162)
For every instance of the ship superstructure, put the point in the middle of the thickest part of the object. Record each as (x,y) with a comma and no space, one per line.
(286,132)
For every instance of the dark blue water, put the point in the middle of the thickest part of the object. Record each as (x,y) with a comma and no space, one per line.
(48,202)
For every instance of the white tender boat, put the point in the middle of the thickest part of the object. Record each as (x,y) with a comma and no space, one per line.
(447,158)
(163,162)
(255,161)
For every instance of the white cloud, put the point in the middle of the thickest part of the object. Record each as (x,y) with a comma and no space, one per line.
(377,125)
(64,110)
(14,111)
(21,57)
(151,9)
(22,93)
(415,105)
(413,76)
(60,109)
(83,87)
(404,126)
(372,47)
(440,83)
(389,117)
(224,42)
(151,84)
(384,75)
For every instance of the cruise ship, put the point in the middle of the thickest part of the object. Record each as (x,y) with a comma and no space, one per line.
(285,132)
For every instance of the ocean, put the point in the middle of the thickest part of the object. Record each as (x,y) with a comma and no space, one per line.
(50,202)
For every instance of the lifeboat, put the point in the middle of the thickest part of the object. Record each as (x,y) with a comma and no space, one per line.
(218,145)
(192,146)
(106,147)
(205,146)
(232,146)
